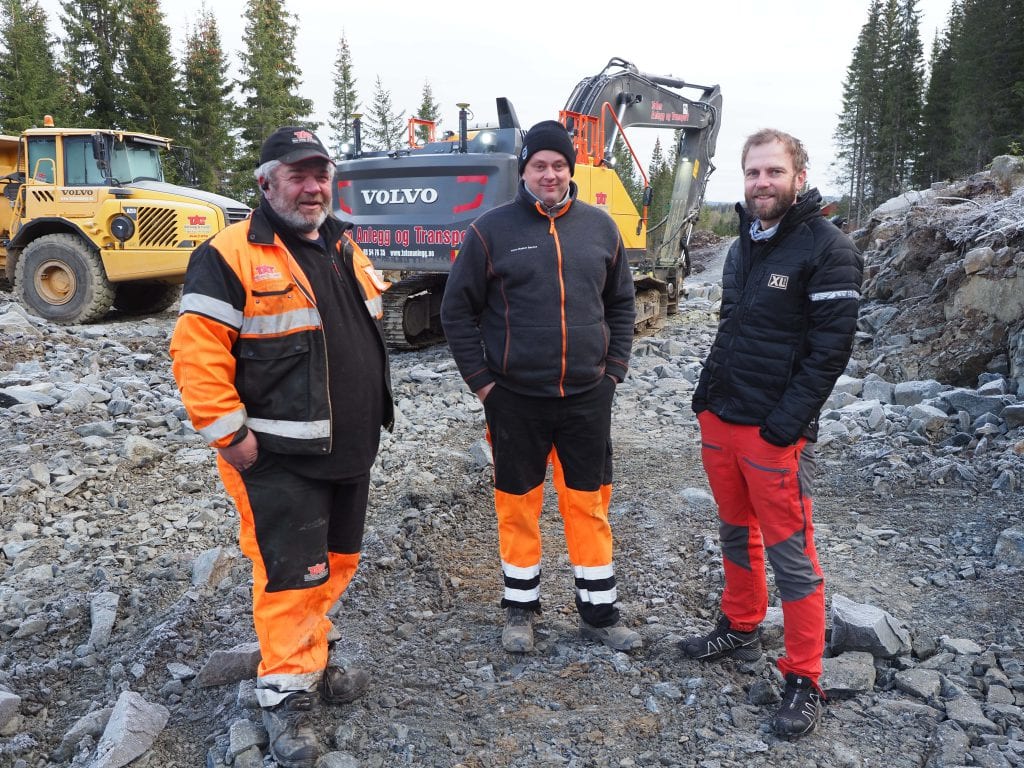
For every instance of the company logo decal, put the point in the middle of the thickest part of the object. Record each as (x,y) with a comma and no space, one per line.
(778,281)
(398,196)
(263,272)
(196,221)
(316,572)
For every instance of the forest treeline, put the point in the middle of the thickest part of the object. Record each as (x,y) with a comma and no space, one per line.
(905,122)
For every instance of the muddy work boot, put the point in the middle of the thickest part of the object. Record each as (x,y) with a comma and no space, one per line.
(801,708)
(293,744)
(723,641)
(517,636)
(341,686)
(616,637)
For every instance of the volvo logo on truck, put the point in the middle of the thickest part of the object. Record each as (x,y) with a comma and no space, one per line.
(399,196)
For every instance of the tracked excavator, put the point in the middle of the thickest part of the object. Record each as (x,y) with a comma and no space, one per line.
(410,208)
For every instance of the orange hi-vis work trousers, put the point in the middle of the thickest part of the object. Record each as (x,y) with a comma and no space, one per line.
(764,505)
(574,434)
(303,536)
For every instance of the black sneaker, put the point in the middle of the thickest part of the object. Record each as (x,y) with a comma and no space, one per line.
(723,640)
(293,743)
(801,707)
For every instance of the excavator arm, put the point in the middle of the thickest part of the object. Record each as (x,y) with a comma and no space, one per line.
(620,97)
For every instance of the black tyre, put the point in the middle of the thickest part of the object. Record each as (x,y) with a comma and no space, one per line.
(61,278)
(144,298)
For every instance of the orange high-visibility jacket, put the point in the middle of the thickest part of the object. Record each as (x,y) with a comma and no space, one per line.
(249,349)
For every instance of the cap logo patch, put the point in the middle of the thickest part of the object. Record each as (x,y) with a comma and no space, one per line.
(303,136)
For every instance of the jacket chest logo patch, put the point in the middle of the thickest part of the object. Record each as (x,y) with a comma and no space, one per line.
(778,281)
(264,272)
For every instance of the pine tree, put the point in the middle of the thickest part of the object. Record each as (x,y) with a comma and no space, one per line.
(429,110)
(385,129)
(346,100)
(93,34)
(30,85)
(269,87)
(151,95)
(856,131)
(988,80)
(209,113)
(938,157)
(662,178)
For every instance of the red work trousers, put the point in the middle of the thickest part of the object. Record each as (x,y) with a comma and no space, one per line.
(762,492)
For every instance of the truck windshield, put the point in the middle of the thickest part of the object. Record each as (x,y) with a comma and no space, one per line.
(129,161)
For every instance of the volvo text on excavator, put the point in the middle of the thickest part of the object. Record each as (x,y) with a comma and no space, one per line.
(410,208)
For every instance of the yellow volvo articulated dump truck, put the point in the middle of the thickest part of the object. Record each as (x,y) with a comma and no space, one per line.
(87,222)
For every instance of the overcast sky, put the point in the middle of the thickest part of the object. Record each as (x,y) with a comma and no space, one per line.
(776,68)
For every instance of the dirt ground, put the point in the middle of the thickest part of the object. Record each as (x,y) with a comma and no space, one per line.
(422,613)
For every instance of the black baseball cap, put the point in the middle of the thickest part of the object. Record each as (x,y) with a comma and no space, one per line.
(292,144)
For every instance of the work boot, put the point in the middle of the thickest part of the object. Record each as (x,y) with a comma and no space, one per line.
(801,707)
(616,637)
(517,636)
(341,686)
(723,640)
(293,743)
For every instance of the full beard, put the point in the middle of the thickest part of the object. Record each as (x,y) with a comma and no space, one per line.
(302,223)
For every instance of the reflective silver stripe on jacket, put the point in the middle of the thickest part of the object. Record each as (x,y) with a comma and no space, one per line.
(374,306)
(224,426)
(302,430)
(274,325)
(831,295)
(211,307)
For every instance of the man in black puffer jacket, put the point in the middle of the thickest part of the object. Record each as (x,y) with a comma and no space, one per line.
(790,296)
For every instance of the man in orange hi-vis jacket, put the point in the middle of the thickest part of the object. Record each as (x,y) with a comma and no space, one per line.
(538,312)
(280,358)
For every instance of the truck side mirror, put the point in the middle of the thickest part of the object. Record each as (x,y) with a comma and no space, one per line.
(101,153)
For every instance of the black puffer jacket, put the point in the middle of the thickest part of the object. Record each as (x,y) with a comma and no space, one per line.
(788,317)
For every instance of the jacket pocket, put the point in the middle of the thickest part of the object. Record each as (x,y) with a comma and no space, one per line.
(273,376)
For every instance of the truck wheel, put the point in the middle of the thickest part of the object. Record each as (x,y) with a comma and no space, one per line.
(144,298)
(61,278)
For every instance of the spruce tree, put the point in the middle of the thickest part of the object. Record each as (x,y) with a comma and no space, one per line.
(151,95)
(345,101)
(93,41)
(937,159)
(209,114)
(429,110)
(626,169)
(385,129)
(269,87)
(30,85)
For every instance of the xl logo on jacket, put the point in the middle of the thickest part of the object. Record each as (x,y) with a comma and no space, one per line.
(778,281)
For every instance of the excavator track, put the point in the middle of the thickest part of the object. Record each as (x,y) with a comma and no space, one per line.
(412,312)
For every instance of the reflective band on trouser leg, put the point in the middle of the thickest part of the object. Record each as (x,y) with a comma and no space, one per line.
(289,623)
(588,537)
(786,523)
(745,596)
(520,546)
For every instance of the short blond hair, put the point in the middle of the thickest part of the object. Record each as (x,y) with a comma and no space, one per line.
(793,146)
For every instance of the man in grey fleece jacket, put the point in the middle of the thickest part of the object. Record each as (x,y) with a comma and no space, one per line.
(538,312)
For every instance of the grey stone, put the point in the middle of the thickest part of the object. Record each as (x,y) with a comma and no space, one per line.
(861,627)
(967,713)
(133,727)
(914,392)
(848,674)
(210,567)
(103,614)
(9,704)
(925,684)
(230,666)
(1009,548)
